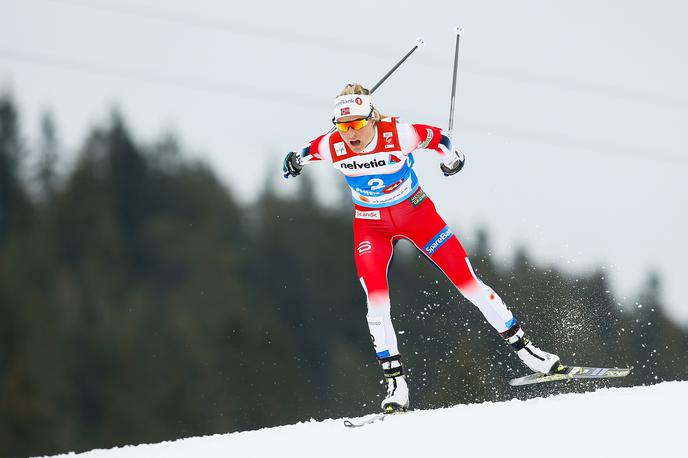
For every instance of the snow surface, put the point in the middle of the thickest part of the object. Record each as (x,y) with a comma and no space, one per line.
(643,421)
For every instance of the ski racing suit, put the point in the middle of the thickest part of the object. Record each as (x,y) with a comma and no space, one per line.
(390,205)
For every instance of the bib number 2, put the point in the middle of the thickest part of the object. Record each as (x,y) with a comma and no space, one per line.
(376,183)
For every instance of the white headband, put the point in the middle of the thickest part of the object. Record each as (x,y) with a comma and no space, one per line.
(352,105)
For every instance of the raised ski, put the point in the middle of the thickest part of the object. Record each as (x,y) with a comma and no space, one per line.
(572,372)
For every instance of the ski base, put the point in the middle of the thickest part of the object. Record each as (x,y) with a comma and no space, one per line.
(572,372)
(374,418)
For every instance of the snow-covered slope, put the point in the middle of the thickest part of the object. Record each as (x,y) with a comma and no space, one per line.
(616,422)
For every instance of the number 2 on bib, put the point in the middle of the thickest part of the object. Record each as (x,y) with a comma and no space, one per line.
(376,183)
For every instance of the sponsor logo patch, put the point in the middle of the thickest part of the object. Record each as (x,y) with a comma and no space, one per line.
(393,186)
(364,247)
(365,165)
(340,149)
(345,101)
(427,141)
(437,241)
(418,197)
(344,111)
(368,214)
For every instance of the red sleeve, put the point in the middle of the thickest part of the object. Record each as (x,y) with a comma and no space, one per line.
(429,137)
(313,150)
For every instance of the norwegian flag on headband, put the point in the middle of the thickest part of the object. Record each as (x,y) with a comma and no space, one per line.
(345,111)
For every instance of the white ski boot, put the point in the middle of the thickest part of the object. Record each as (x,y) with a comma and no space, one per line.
(536,359)
(397,399)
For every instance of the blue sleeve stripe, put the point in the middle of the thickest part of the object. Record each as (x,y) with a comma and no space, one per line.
(305,151)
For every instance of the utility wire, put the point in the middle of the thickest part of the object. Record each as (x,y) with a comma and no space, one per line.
(372,50)
(140,74)
(309,100)
(576,143)
(253,30)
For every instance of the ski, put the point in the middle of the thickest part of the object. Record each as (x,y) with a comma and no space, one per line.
(374,418)
(572,372)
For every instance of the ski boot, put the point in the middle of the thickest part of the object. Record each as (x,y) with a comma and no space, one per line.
(397,399)
(536,359)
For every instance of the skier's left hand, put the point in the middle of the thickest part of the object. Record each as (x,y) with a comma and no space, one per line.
(291,167)
(455,165)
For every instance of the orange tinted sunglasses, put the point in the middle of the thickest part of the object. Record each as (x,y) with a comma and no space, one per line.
(355,124)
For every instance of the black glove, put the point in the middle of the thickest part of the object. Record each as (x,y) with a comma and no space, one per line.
(291,166)
(455,166)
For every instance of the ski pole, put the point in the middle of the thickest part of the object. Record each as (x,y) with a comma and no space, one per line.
(419,44)
(459,31)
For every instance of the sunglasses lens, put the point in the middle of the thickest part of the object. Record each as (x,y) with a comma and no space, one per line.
(357,124)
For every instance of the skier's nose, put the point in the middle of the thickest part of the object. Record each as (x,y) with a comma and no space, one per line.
(350,133)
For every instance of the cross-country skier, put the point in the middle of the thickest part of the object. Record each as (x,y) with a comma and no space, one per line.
(375,154)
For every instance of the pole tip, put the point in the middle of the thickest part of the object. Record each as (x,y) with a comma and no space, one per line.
(458,30)
(420,43)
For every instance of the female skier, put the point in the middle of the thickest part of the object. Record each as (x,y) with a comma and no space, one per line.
(375,155)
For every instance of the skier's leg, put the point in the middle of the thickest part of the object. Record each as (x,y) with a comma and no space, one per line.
(436,240)
(441,246)
(373,255)
(374,251)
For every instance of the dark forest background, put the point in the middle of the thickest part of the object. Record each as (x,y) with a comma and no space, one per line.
(141,302)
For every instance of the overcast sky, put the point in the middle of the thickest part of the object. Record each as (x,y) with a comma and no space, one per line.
(573,115)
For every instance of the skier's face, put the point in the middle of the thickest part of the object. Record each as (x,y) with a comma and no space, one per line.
(357,140)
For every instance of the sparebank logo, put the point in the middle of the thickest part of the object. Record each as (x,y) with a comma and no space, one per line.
(437,241)
(349,100)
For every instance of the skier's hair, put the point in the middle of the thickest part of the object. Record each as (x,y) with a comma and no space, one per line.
(357,88)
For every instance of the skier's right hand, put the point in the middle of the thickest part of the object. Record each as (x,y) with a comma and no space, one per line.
(291,166)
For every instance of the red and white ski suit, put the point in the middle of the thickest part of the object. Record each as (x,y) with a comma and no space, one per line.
(390,205)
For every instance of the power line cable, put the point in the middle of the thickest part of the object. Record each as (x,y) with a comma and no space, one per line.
(577,143)
(252,30)
(370,49)
(308,100)
(139,74)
